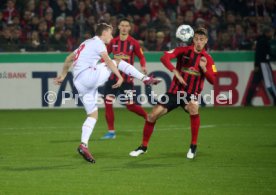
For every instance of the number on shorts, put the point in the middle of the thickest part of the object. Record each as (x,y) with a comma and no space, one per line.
(81,47)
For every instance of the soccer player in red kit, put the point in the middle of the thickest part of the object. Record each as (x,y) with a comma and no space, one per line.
(194,64)
(123,47)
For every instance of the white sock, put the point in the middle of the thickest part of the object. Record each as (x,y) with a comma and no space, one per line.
(130,70)
(87,129)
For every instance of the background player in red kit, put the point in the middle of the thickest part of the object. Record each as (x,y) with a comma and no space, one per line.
(123,47)
(194,64)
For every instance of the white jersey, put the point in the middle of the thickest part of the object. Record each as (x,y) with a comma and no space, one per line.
(88,55)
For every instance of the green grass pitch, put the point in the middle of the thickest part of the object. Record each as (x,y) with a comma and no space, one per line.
(236,154)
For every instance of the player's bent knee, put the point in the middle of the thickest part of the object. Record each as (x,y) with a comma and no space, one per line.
(109,98)
(152,118)
(94,114)
(129,106)
(193,108)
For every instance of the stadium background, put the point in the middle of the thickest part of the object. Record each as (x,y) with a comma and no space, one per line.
(50,25)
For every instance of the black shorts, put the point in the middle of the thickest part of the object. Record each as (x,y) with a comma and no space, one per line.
(172,101)
(126,89)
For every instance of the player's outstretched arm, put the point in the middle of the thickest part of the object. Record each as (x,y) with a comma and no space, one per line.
(113,68)
(179,77)
(166,60)
(67,64)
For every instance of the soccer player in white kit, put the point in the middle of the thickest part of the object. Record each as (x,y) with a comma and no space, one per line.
(89,73)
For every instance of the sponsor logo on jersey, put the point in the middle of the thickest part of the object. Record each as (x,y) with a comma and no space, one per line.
(131,47)
(121,56)
(191,71)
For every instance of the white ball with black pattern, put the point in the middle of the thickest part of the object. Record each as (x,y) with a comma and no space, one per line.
(185,33)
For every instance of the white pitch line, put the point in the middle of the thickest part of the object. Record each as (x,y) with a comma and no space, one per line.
(247,125)
(27,128)
(97,127)
(9,130)
(175,127)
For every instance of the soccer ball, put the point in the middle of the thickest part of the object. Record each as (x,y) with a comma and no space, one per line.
(185,33)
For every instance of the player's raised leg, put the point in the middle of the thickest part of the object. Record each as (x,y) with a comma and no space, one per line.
(132,71)
(192,107)
(156,113)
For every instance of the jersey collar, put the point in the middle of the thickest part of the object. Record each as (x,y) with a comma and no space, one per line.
(202,51)
(97,37)
(125,39)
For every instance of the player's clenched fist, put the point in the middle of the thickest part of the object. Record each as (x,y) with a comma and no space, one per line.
(203,63)
(118,83)
(59,80)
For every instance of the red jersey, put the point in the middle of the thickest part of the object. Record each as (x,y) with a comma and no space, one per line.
(126,50)
(188,67)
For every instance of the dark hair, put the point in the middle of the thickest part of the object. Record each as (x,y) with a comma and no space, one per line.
(102,27)
(124,20)
(201,31)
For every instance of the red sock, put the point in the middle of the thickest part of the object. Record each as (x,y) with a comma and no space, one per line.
(137,109)
(109,114)
(195,122)
(148,129)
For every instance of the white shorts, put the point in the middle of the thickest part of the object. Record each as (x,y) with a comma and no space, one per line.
(87,83)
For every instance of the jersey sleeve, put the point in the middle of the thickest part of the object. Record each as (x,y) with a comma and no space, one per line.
(169,55)
(211,72)
(139,53)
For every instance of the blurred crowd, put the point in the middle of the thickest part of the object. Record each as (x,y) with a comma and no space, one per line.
(60,25)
